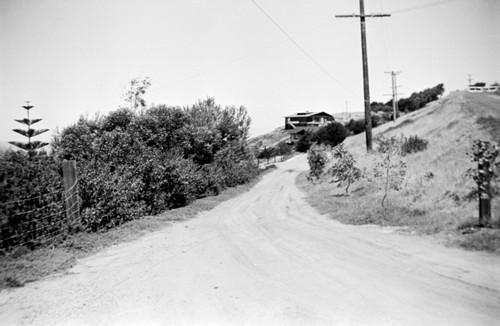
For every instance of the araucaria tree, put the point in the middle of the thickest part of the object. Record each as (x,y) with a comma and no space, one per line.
(30,146)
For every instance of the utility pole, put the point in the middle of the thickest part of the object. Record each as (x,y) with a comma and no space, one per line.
(394,93)
(366,85)
(470,79)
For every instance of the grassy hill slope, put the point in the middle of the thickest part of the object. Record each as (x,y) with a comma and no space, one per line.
(268,140)
(437,195)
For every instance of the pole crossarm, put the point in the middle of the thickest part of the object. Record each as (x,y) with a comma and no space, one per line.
(363,16)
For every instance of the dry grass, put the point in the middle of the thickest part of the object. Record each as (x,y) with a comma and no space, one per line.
(437,195)
(23,265)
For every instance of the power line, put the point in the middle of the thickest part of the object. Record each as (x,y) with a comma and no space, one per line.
(423,6)
(297,45)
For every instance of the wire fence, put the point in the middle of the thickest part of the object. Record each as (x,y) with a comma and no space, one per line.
(39,218)
(267,161)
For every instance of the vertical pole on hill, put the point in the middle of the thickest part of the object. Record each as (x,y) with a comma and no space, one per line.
(394,94)
(366,86)
(71,192)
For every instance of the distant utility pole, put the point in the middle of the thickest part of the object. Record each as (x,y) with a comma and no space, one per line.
(394,93)
(470,79)
(366,85)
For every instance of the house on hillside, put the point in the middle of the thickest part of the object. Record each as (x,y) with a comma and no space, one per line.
(298,123)
(481,87)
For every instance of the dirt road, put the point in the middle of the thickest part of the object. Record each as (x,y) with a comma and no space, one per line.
(267,258)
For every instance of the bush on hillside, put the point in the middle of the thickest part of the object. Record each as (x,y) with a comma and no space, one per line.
(418,100)
(305,142)
(317,156)
(344,171)
(413,144)
(331,134)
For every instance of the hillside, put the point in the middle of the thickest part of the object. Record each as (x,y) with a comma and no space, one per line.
(268,140)
(437,195)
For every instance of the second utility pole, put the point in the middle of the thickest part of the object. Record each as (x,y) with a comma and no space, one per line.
(366,84)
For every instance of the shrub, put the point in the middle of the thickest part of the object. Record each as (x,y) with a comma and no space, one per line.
(317,156)
(413,144)
(331,134)
(136,163)
(344,170)
(390,166)
(31,198)
(305,142)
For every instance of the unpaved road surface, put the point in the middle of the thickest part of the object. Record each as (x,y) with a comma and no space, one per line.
(267,258)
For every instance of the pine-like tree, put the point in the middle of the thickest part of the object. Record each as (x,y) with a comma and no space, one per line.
(30,146)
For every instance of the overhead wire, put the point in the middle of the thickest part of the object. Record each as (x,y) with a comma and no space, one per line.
(297,45)
(423,6)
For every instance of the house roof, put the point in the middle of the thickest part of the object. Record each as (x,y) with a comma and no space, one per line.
(307,114)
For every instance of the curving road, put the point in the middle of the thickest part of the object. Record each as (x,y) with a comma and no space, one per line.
(267,258)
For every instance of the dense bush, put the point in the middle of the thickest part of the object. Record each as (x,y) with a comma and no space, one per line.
(317,156)
(413,144)
(358,126)
(305,142)
(136,163)
(344,171)
(418,100)
(330,134)
(31,198)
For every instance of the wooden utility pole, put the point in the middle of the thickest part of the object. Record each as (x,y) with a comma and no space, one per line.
(366,85)
(394,94)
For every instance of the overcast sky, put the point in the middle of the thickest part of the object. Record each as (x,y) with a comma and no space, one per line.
(73,57)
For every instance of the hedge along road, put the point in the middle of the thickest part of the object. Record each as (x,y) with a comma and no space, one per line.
(267,258)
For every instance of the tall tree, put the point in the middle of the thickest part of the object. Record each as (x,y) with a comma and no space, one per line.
(30,146)
(134,94)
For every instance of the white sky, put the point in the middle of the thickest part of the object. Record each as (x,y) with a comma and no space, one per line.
(73,57)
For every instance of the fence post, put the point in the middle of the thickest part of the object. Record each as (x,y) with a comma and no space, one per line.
(71,191)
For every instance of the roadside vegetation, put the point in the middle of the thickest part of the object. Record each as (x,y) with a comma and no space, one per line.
(136,163)
(418,177)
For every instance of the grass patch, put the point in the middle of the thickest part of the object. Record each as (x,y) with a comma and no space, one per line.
(491,124)
(437,196)
(23,265)
(400,125)
(481,240)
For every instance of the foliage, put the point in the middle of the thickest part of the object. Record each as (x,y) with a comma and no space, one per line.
(344,170)
(31,198)
(418,100)
(305,142)
(134,94)
(30,146)
(330,134)
(137,163)
(485,154)
(413,144)
(358,126)
(317,156)
(390,165)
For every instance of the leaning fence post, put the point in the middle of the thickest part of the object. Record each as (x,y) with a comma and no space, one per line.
(71,192)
